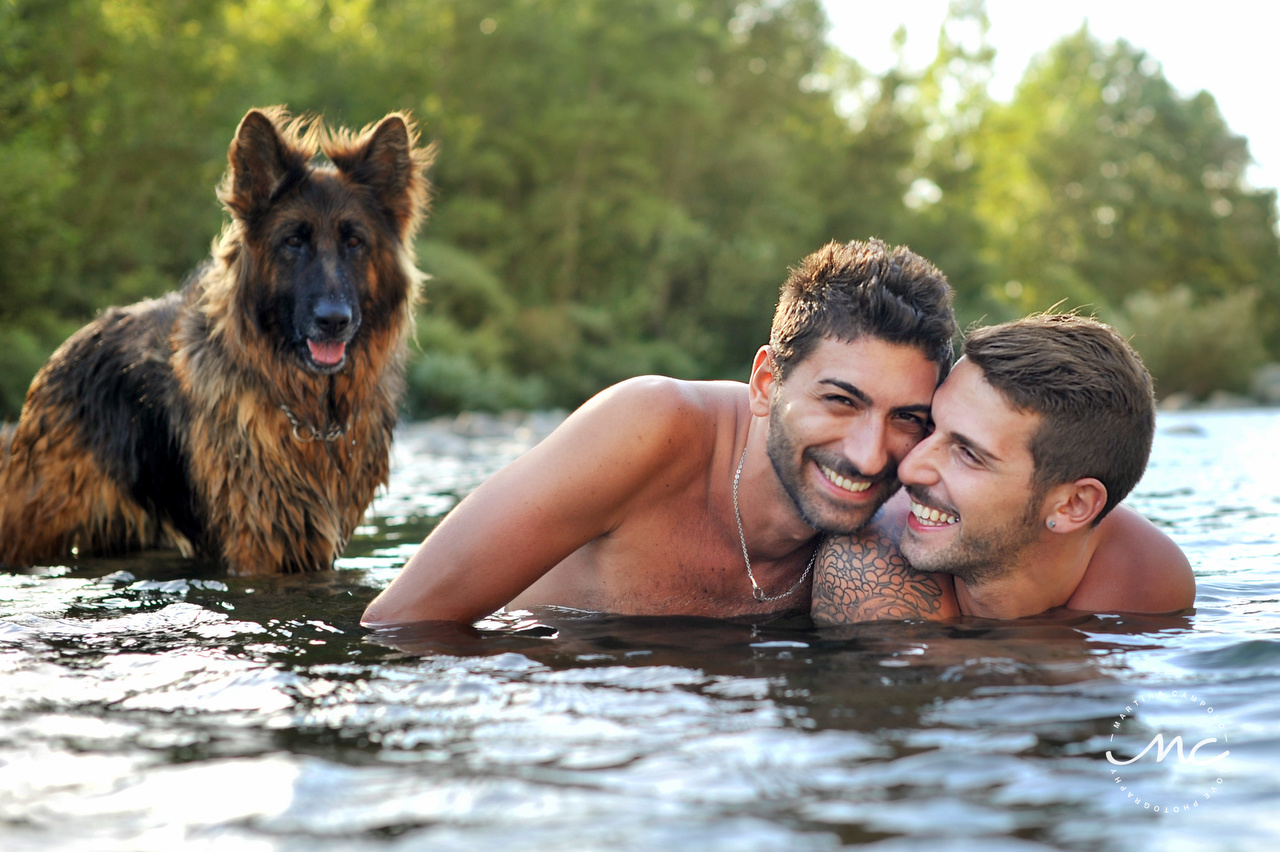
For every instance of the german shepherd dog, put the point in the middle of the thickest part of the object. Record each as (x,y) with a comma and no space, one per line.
(247,418)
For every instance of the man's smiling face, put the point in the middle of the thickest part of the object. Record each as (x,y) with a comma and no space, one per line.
(841,421)
(974,508)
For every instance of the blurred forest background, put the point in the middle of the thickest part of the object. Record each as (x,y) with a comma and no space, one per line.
(622,184)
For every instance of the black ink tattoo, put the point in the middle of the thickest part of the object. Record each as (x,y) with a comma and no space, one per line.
(866,578)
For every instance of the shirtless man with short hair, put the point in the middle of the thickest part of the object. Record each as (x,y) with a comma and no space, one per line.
(661,496)
(1042,428)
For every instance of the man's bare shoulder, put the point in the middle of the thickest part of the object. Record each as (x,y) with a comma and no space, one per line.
(676,399)
(1135,567)
(864,577)
(665,416)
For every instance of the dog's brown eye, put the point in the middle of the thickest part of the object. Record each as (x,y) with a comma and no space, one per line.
(293,241)
(354,242)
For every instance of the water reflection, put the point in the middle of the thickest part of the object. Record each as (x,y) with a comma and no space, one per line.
(151,703)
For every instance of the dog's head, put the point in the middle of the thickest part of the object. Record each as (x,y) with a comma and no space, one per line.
(324,250)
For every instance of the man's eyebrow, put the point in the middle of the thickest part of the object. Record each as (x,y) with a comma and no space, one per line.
(858,394)
(853,390)
(974,445)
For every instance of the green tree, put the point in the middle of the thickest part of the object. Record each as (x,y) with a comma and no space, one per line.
(1195,345)
(621,184)
(638,173)
(906,166)
(108,142)
(1102,181)
(946,181)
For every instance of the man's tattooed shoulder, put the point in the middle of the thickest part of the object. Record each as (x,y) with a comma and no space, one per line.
(866,578)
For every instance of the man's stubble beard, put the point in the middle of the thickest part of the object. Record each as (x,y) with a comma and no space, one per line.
(782,450)
(981,559)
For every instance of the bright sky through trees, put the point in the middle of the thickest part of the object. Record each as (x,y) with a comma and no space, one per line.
(1226,47)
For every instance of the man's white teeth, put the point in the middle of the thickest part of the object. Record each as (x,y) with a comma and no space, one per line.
(931,516)
(846,484)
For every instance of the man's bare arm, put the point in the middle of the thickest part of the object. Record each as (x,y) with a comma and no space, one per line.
(573,487)
(866,578)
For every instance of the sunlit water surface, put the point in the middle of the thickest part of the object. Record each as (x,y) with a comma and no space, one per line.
(146,704)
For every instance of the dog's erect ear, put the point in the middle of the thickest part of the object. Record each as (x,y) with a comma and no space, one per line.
(261,160)
(385,160)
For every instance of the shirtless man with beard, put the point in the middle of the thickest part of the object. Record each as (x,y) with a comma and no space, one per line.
(666,497)
(1042,428)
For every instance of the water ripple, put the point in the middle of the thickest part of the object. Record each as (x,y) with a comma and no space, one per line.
(148,704)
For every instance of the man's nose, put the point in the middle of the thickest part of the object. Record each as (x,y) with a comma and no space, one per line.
(918,467)
(867,447)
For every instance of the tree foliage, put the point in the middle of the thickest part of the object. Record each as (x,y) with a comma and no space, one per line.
(1100,181)
(621,184)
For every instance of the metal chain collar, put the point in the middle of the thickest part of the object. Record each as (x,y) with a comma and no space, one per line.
(331,434)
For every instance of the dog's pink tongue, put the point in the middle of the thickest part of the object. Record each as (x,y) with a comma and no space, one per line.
(327,353)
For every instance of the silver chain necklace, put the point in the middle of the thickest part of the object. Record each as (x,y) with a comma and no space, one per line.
(756,591)
(333,433)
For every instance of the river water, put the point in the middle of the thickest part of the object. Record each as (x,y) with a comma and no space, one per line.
(146,704)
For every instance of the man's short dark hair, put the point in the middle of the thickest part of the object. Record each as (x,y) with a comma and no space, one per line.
(864,288)
(1090,388)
